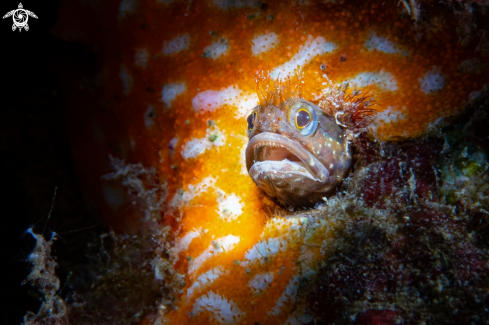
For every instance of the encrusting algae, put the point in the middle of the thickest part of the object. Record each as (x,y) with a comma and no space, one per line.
(396,240)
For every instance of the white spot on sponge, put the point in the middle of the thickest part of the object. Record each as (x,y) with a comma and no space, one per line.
(265,248)
(182,243)
(210,100)
(383,80)
(127,7)
(172,145)
(432,81)
(261,282)
(230,207)
(216,49)
(222,310)
(264,43)
(382,44)
(270,246)
(390,115)
(171,91)
(176,45)
(217,246)
(289,293)
(141,58)
(205,279)
(183,197)
(307,52)
(126,79)
(196,146)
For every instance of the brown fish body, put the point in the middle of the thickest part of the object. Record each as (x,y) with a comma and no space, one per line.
(297,153)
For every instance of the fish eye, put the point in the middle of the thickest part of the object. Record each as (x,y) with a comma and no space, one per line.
(251,121)
(302,118)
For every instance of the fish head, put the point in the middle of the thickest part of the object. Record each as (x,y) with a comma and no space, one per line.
(297,153)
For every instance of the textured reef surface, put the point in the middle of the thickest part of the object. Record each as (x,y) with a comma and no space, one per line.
(159,134)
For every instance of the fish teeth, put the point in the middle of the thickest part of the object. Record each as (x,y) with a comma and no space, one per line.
(270,144)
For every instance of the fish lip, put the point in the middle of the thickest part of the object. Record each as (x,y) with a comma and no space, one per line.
(312,164)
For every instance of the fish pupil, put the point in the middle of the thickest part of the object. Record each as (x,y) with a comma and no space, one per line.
(303,118)
(251,121)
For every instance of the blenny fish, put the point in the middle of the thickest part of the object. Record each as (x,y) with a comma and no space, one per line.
(169,98)
(298,153)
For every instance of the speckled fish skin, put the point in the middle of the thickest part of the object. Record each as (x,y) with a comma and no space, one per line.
(296,169)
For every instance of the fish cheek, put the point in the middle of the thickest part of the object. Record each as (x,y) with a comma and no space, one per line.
(323,140)
(326,156)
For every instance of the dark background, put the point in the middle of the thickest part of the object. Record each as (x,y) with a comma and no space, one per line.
(35,156)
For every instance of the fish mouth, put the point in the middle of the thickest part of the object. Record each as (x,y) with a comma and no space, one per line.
(281,154)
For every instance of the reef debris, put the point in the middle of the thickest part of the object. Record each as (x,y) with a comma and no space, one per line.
(53,310)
